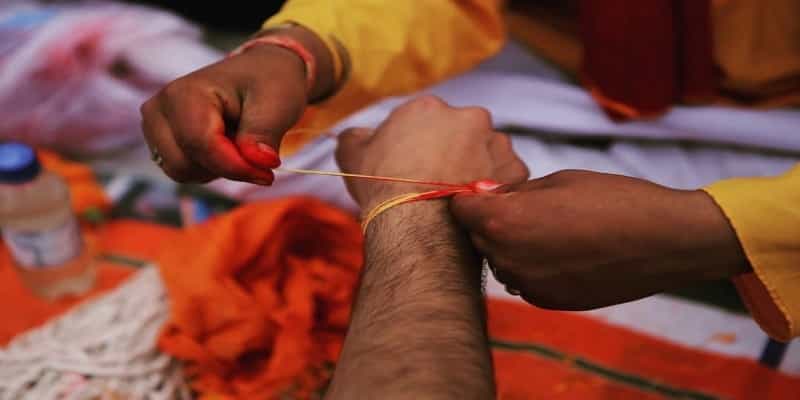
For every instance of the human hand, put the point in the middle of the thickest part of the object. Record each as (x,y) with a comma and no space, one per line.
(429,140)
(578,240)
(228,119)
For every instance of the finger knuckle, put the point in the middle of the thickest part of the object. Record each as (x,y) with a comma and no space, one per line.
(503,139)
(175,88)
(148,107)
(348,140)
(521,171)
(497,227)
(425,102)
(478,116)
(429,100)
(494,227)
(340,154)
(351,133)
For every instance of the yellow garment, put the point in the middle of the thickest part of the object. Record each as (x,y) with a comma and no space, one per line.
(393,47)
(397,47)
(765,212)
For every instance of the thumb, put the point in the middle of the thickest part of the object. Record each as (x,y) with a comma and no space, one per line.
(263,123)
(477,211)
(473,211)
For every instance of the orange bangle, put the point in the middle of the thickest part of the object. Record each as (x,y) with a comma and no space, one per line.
(287,43)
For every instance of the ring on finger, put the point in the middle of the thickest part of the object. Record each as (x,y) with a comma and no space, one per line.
(156,157)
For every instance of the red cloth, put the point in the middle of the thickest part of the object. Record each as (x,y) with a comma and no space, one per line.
(640,57)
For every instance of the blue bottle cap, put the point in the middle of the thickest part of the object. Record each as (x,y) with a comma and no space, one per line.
(18,163)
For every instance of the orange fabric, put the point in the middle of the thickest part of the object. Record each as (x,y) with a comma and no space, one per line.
(764,308)
(585,341)
(260,297)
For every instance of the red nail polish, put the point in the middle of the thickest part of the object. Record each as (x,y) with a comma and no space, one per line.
(261,154)
(266,149)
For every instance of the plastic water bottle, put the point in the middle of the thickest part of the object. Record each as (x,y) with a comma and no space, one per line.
(39,227)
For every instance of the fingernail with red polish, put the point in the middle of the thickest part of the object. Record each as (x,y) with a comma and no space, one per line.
(263,177)
(262,155)
(270,155)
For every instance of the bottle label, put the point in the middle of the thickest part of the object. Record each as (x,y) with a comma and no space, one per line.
(45,248)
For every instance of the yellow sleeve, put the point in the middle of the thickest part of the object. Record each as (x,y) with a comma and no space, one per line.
(765,213)
(394,47)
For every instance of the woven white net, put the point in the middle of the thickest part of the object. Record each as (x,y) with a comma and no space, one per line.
(101,349)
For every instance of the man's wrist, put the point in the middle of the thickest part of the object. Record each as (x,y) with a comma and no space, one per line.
(380,192)
(415,218)
(428,228)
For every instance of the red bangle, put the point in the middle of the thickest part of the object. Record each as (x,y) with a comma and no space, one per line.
(290,44)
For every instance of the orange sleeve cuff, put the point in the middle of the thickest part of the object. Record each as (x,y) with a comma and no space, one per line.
(765,213)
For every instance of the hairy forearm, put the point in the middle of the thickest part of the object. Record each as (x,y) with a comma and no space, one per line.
(418,326)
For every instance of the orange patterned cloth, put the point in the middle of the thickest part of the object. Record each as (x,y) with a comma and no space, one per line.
(541,354)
